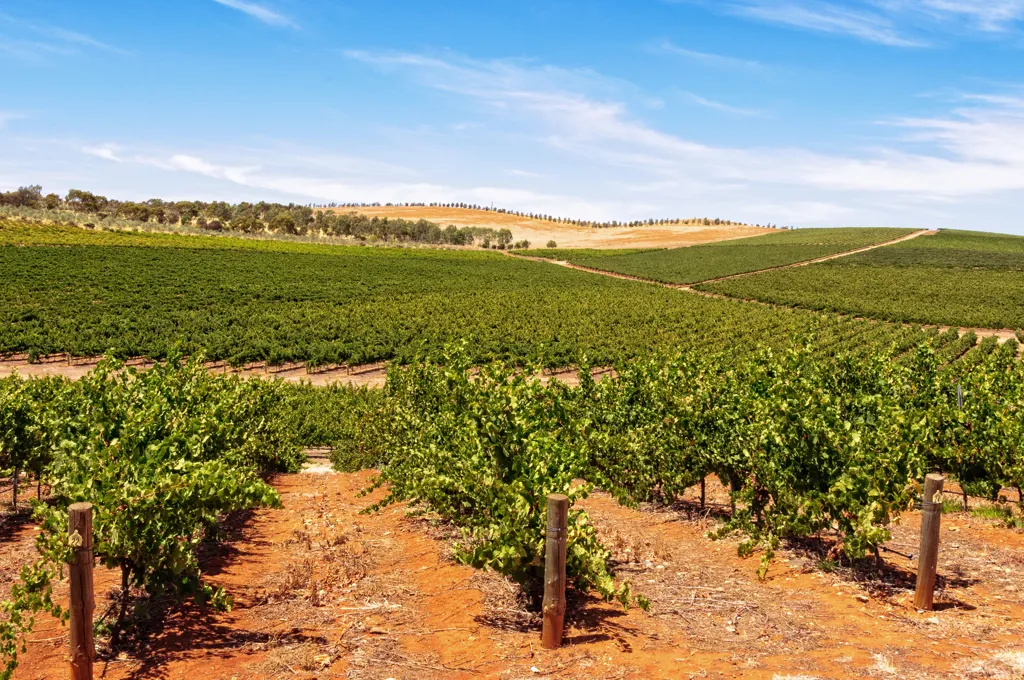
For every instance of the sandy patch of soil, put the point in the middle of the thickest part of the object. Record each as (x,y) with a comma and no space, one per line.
(539,232)
(323,591)
(368,375)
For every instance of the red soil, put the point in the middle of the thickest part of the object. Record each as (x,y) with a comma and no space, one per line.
(322,591)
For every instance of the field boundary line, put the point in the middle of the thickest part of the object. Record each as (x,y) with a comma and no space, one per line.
(826,258)
(1001,333)
(689,286)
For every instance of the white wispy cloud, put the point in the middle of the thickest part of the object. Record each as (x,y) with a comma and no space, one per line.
(897,23)
(259,12)
(302,174)
(719,60)
(35,39)
(525,173)
(975,150)
(986,15)
(563,142)
(828,18)
(104,151)
(720,106)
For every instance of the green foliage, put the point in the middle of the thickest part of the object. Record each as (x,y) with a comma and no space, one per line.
(807,444)
(951,507)
(345,419)
(724,258)
(809,441)
(572,254)
(484,451)
(334,304)
(953,278)
(161,455)
(1002,513)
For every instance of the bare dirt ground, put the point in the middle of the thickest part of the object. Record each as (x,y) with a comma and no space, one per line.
(371,375)
(539,232)
(367,375)
(322,591)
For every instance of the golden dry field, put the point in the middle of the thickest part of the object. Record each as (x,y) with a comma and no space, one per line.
(539,232)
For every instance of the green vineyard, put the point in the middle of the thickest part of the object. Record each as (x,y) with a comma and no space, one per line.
(957,278)
(819,427)
(725,258)
(246,301)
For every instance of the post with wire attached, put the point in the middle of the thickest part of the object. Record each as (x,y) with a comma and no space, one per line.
(928,558)
(554,571)
(83,650)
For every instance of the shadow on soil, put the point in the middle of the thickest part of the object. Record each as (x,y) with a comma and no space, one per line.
(166,628)
(13,523)
(882,578)
(588,619)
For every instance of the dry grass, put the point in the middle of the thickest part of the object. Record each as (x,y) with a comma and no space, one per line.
(289,658)
(539,232)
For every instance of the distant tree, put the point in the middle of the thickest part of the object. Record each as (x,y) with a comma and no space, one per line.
(552,244)
(283,223)
(85,201)
(23,197)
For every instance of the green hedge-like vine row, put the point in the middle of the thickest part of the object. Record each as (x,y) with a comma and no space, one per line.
(162,455)
(808,443)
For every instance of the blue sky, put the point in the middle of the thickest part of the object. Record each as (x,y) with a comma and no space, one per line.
(802,112)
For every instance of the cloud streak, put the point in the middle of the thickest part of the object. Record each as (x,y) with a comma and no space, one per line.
(720,106)
(975,150)
(895,23)
(571,142)
(46,40)
(985,15)
(711,59)
(828,18)
(259,12)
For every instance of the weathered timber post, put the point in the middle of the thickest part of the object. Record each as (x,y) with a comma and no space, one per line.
(554,571)
(703,491)
(928,558)
(14,488)
(83,650)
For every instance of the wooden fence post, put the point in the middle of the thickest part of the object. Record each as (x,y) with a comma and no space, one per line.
(928,558)
(83,650)
(554,571)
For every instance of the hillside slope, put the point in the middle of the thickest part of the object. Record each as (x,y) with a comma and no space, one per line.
(539,232)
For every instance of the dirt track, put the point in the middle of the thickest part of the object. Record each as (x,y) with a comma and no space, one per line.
(836,256)
(322,591)
(1002,334)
